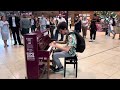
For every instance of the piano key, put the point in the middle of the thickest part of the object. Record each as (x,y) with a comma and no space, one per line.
(50,48)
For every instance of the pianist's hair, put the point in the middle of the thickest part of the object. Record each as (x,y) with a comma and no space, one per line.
(62,26)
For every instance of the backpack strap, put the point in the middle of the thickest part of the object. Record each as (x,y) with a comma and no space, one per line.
(69,34)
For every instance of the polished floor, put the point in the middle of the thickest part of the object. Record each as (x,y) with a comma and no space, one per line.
(100,60)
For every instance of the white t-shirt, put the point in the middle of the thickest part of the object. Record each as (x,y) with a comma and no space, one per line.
(32,22)
(61,20)
(110,23)
(85,23)
(48,23)
(13,22)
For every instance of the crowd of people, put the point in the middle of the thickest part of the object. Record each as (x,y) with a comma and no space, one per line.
(20,25)
(17,26)
(108,24)
(26,24)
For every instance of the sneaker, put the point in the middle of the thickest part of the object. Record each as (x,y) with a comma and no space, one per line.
(21,44)
(52,68)
(59,69)
(15,44)
(90,40)
(60,40)
(93,40)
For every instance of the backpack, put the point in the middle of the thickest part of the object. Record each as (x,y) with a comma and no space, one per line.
(80,47)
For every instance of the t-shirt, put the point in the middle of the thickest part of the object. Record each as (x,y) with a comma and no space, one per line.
(110,24)
(48,23)
(72,41)
(43,21)
(13,22)
(32,22)
(61,20)
(84,23)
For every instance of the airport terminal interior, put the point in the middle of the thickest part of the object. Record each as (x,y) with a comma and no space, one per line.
(100,59)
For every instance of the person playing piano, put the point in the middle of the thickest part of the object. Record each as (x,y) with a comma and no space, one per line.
(63,51)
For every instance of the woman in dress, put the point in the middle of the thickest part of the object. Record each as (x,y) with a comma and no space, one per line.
(4,25)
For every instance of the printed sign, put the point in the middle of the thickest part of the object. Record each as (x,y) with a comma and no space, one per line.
(30,49)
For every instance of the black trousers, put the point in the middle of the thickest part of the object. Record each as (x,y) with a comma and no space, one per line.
(32,28)
(106,31)
(70,26)
(15,32)
(93,34)
(25,31)
(51,31)
(56,35)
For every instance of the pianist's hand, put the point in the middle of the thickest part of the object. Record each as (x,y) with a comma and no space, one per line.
(52,44)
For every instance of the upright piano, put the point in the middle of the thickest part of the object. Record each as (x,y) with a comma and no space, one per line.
(37,53)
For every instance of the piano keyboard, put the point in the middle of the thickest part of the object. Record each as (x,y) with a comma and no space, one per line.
(50,48)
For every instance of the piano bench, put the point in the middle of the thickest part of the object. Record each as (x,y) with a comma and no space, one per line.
(71,60)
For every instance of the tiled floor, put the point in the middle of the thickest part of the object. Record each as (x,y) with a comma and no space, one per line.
(100,60)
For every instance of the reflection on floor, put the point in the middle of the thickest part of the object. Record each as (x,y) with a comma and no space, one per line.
(99,61)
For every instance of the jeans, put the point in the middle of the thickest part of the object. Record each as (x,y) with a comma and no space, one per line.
(59,54)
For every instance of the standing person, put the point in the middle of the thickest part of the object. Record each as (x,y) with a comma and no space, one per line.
(14,23)
(60,20)
(77,22)
(117,29)
(110,26)
(52,27)
(43,23)
(33,23)
(93,30)
(37,24)
(48,25)
(4,25)
(105,26)
(69,22)
(84,26)
(24,24)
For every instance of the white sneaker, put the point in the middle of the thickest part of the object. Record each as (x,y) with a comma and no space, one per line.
(93,40)
(90,40)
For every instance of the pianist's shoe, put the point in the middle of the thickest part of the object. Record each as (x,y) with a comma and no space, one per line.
(59,69)
(56,69)
(52,67)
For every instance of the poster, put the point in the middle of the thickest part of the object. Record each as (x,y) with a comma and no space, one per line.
(30,49)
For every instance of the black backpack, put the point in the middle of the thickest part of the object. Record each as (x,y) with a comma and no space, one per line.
(80,42)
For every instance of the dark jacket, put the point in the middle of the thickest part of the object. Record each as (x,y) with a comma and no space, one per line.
(17,21)
(78,25)
(93,26)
